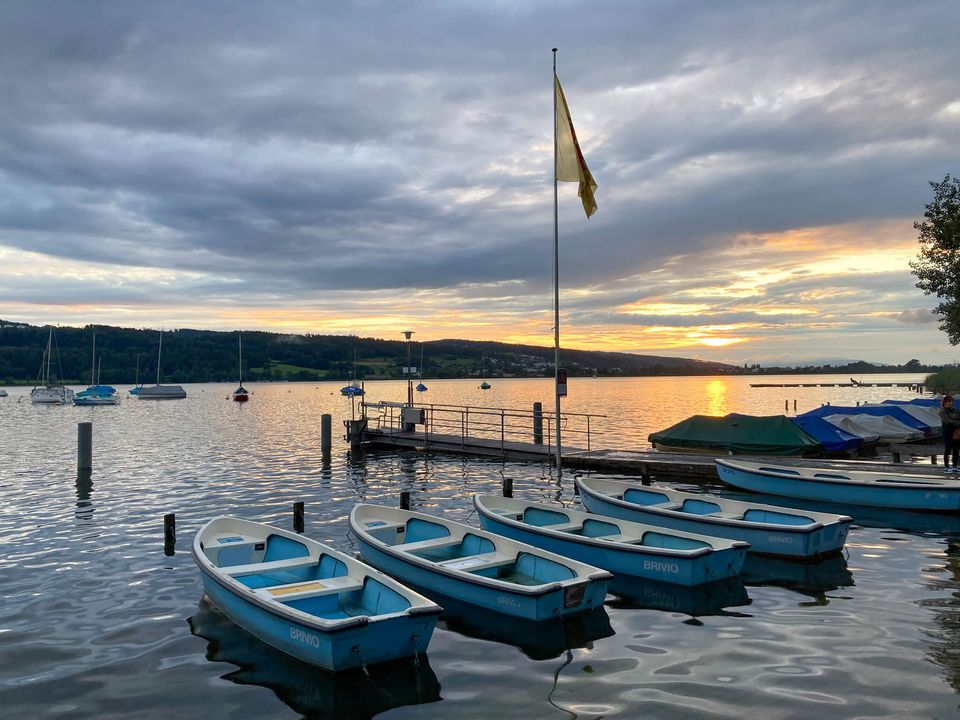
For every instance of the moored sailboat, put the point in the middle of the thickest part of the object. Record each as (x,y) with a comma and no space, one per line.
(158,391)
(241,394)
(48,391)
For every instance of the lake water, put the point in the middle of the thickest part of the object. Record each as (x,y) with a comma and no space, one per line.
(96,622)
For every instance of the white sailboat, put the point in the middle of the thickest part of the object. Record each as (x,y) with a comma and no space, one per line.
(158,391)
(48,392)
(241,394)
(483,369)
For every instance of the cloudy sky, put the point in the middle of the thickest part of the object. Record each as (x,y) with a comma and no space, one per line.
(365,167)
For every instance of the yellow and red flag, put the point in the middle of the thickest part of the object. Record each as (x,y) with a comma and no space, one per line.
(571,167)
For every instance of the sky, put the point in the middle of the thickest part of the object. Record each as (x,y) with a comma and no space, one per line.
(370,167)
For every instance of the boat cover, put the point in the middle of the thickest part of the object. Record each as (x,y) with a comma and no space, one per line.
(894,411)
(929,416)
(875,427)
(933,402)
(832,437)
(735,433)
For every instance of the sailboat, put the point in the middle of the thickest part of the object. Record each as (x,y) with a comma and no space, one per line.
(483,369)
(158,391)
(96,394)
(353,389)
(241,394)
(48,392)
(420,386)
(136,382)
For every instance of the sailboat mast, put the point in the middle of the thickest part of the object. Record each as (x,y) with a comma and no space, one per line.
(159,350)
(46,379)
(93,361)
(240,361)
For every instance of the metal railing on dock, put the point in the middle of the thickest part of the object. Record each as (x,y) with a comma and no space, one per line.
(512,429)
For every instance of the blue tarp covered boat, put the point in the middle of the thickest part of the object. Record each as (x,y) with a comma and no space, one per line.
(894,411)
(475,566)
(832,438)
(309,600)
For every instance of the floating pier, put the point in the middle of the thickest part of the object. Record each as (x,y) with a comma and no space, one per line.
(912,386)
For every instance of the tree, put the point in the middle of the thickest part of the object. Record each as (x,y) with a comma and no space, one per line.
(937,266)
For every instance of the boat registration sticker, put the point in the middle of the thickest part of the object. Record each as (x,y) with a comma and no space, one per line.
(573,595)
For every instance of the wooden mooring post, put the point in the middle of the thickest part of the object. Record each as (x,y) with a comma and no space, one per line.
(169,534)
(508,487)
(404,499)
(538,423)
(85,446)
(326,441)
(298,516)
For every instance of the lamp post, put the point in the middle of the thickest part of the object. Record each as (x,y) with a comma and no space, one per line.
(406,370)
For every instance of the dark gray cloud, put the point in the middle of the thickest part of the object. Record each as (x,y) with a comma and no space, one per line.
(299,149)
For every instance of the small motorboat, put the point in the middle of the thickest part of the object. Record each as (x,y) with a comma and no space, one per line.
(769,529)
(905,491)
(307,599)
(624,548)
(474,566)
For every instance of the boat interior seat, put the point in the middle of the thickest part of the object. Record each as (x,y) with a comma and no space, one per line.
(445,541)
(261,567)
(310,588)
(483,561)
(620,538)
(564,527)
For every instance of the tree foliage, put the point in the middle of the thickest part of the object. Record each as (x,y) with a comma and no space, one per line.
(937,266)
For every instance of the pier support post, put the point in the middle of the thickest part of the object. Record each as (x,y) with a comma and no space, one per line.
(644,474)
(85,446)
(326,423)
(404,499)
(508,487)
(538,423)
(298,516)
(169,534)
(355,430)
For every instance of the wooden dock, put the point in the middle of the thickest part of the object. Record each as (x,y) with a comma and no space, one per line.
(919,388)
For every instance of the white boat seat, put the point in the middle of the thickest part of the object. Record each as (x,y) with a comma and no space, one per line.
(261,567)
(310,588)
(383,525)
(667,506)
(472,563)
(620,538)
(445,541)
(564,527)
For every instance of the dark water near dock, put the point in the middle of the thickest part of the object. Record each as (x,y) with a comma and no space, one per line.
(96,622)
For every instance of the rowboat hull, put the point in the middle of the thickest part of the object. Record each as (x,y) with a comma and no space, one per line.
(624,548)
(769,529)
(331,630)
(503,575)
(902,491)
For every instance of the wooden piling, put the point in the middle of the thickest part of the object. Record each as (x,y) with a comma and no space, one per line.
(538,423)
(169,534)
(326,442)
(404,499)
(508,487)
(85,446)
(298,516)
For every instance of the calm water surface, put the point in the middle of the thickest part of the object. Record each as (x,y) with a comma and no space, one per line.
(97,622)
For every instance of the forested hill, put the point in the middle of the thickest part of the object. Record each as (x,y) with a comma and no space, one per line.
(210,356)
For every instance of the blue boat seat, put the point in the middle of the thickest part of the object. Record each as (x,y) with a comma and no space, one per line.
(563,527)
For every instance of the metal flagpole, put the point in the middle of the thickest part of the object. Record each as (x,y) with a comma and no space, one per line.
(556,274)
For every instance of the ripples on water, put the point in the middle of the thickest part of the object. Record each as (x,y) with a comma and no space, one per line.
(97,622)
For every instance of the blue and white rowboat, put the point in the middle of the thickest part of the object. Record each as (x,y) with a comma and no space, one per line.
(769,529)
(307,599)
(623,547)
(474,566)
(857,487)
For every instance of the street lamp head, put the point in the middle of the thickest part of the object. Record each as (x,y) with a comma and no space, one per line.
(407,333)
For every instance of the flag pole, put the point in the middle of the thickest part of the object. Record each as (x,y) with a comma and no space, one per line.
(556,274)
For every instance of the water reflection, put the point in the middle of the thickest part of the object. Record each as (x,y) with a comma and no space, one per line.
(314,693)
(707,599)
(542,640)
(84,485)
(811,578)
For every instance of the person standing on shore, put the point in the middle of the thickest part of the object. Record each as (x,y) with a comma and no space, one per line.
(950,423)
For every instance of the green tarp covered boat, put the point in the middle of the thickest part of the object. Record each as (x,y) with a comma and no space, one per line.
(737,434)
